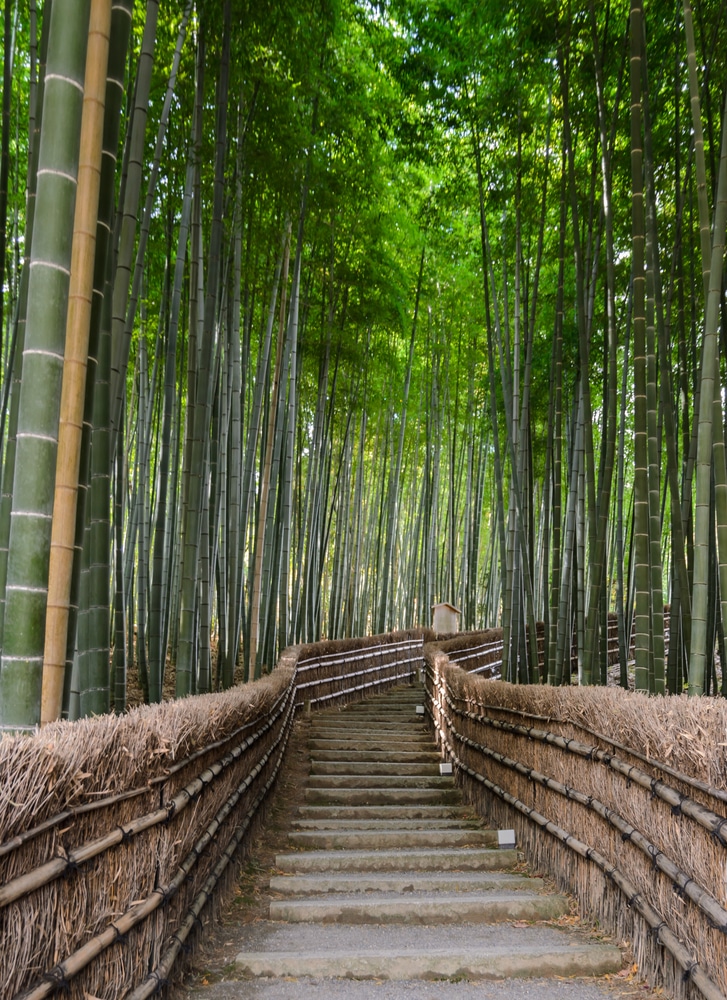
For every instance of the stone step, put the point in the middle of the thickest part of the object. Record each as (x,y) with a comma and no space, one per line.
(421,908)
(401,716)
(393,695)
(379,781)
(383,746)
(350,729)
(408,859)
(383,796)
(385,812)
(418,952)
(351,767)
(374,756)
(383,707)
(385,712)
(386,824)
(446,882)
(326,840)
(341,739)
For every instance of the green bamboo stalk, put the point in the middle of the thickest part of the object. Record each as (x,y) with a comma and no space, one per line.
(14,375)
(87,651)
(185,680)
(557,436)
(35,455)
(643,635)
(395,480)
(709,388)
(129,213)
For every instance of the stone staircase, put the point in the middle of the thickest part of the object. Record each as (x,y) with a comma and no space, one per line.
(390,877)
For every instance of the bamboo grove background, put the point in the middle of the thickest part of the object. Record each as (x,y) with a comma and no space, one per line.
(313,315)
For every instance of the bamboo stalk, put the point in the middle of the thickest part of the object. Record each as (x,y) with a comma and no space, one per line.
(74,367)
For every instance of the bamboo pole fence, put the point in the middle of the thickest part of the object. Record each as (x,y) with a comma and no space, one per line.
(120,834)
(481,652)
(632,821)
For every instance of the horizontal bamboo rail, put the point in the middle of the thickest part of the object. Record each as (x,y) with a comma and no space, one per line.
(656,765)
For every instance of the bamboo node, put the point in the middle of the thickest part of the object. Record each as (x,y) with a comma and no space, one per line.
(656,930)
(119,938)
(159,982)
(71,868)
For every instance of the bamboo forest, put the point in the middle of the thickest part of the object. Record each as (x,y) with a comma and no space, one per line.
(315,314)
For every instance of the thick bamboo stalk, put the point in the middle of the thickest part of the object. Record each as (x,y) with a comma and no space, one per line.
(36,450)
(74,367)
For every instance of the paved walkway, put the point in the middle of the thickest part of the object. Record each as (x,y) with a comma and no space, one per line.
(391,888)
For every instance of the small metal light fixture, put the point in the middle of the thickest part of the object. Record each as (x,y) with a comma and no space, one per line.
(506,838)
(420,709)
(445,767)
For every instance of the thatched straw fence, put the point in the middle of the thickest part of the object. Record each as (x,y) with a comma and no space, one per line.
(632,821)
(116,832)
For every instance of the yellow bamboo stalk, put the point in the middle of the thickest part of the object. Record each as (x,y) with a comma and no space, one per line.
(75,361)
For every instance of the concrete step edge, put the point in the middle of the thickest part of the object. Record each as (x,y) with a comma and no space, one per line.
(324,883)
(440,908)
(422,859)
(333,825)
(411,811)
(373,839)
(573,960)
(400,781)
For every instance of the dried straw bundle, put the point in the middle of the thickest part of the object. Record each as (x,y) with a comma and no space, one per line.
(158,749)
(596,804)
(689,734)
